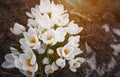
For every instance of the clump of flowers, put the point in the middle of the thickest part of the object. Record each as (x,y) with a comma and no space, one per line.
(49,43)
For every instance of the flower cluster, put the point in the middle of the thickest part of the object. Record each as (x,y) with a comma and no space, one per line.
(50,42)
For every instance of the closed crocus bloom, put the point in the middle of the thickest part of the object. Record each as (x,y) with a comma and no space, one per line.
(49,69)
(17,29)
(73,28)
(28,60)
(50,51)
(61,62)
(34,12)
(60,34)
(11,59)
(9,63)
(75,63)
(42,48)
(54,66)
(45,60)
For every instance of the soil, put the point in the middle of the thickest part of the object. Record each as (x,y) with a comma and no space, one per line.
(90,14)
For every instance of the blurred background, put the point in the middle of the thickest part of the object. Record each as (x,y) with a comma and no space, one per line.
(100,39)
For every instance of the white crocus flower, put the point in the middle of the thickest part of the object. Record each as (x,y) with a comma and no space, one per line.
(45,60)
(74,40)
(11,59)
(45,21)
(75,63)
(57,10)
(73,28)
(17,29)
(32,23)
(66,51)
(30,40)
(9,63)
(60,34)
(49,37)
(42,48)
(59,15)
(34,12)
(62,20)
(49,69)
(45,6)
(28,61)
(60,62)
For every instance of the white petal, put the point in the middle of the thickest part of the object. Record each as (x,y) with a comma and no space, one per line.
(15,51)
(28,37)
(34,68)
(62,20)
(73,28)
(7,65)
(41,50)
(59,51)
(54,66)
(37,45)
(50,51)
(17,63)
(23,58)
(29,15)
(45,60)
(70,57)
(33,60)
(44,21)
(32,30)
(48,69)
(60,62)
(69,48)
(60,34)
(50,33)
(17,29)
(9,58)
(77,51)
(74,39)
(45,6)
(81,60)
(73,69)
(23,43)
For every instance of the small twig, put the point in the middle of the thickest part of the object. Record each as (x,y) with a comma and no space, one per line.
(88,35)
(70,3)
(80,15)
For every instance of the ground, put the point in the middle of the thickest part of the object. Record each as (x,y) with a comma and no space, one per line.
(91,15)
